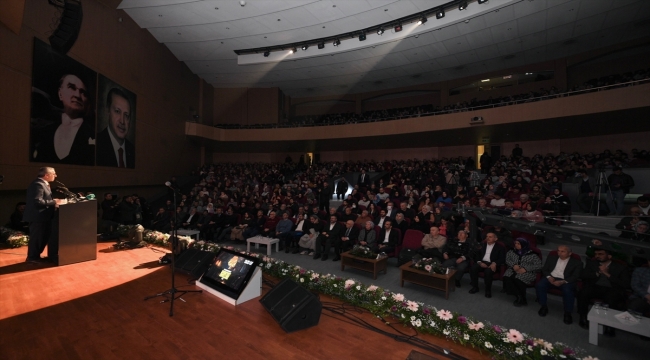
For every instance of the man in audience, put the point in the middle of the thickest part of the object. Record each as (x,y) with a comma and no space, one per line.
(269,225)
(381,218)
(364,179)
(400,223)
(190,220)
(324,196)
(604,279)
(388,238)
(640,299)
(390,210)
(433,244)
(560,271)
(585,191)
(643,202)
(363,218)
(311,231)
(161,221)
(619,185)
(283,230)
(457,254)
(489,258)
(348,215)
(347,240)
(109,213)
(327,237)
(408,212)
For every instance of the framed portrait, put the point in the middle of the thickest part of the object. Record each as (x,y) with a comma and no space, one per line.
(115,124)
(62,118)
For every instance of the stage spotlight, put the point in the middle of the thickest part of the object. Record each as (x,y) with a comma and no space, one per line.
(440,13)
(380,31)
(398,28)
(462,5)
(336,42)
(362,36)
(482,1)
(321,45)
(267,53)
(305,47)
(423,20)
(294,50)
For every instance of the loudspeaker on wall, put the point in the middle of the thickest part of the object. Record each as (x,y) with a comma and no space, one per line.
(66,33)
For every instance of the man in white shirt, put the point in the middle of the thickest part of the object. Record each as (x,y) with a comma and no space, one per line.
(561,271)
(490,258)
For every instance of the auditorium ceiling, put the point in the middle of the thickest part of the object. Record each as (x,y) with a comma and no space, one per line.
(499,34)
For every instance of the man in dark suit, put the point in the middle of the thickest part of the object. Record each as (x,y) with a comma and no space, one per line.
(324,196)
(341,188)
(603,279)
(113,148)
(490,257)
(39,211)
(329,235)
(388,238)
(346,241)
(189,221)
(364,179)
(562,272)
(404,209)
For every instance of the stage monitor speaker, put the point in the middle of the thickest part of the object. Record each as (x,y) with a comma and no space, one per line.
(292,306)
(194,262)
(66,33)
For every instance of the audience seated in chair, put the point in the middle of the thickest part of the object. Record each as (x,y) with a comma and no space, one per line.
(561,271)
(488,260)
(523,264)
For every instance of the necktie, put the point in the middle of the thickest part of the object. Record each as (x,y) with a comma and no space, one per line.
(120,154)
(347,233)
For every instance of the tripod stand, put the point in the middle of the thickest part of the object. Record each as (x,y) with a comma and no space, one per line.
(600,182)
(173,293)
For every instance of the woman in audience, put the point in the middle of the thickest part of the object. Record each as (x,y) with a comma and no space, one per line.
(420,225)
(446,227)
(531,214)
(444,198)
(237,231)
(364,201)
(561,201)
(523,265)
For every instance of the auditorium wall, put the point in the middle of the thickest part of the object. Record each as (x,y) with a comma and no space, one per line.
(126,54)
(246,106)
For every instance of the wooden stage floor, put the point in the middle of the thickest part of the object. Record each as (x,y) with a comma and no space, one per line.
(95,310)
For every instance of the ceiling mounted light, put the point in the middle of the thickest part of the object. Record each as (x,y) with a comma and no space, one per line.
(482,1)
(305,47)
(423,20)
(440,13)
(362,36)
(398,28)
(380,31)
(294,50)
(462,5)
(336,42)
(321,45)
(267,53)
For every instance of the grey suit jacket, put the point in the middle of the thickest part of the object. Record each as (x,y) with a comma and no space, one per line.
(39,203)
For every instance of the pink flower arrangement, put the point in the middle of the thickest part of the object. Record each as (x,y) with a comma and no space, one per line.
(398,297)
(412,305)
(515,336)
(427,267)
(476,326)
(372,288)
(348,284)
(444,314)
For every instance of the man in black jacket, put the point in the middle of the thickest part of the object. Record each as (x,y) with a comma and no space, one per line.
(489,259)
(560,271)
(602,279)
(619,185)
(39,211)
(388,238)
(329,235)
(324,196)
(346,241)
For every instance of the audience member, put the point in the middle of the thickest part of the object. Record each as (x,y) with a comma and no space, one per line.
(489,258)
(560,271)
(523,264)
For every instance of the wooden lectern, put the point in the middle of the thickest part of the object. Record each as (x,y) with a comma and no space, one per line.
(77,229)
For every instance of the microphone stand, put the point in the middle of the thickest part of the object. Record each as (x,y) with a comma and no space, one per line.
(173,293)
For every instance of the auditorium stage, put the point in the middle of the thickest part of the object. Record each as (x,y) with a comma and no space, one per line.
(95,310)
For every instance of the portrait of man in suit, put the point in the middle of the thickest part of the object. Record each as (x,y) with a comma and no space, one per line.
(115,145)
(62,109)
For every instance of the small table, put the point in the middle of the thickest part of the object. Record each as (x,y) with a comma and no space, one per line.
(432,280)
(599,317)
(370,265)
(190,233)
(257,240)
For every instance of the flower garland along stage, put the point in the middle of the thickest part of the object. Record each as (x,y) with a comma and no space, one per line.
(14,239)
(498,341)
